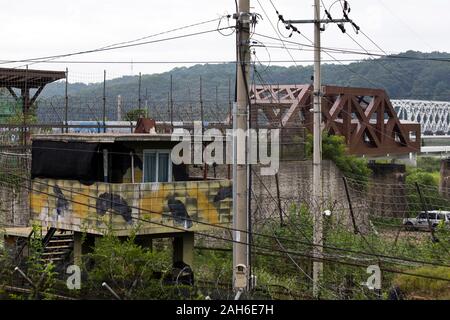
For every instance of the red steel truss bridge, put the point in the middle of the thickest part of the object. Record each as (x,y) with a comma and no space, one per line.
(365,117)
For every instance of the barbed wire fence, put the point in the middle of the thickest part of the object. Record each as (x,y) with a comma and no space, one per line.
(14,204)
(266,213)
(98,98)
(377,208)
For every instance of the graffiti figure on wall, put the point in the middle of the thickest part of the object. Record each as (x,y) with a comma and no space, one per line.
(223,193)
(71,205)
(61,201)
(114,203)
(179,213)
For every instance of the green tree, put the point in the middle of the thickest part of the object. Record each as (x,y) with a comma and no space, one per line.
(429,186)
(429,164)
(402,79)
(135,114)
(335,149)
(134,272)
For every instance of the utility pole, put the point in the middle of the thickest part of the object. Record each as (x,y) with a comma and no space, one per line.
(317,195)
(202,115)
(317,158)
(66,107)
(240,173)
(171,103)
(139,93)
(119,108)
(104,101)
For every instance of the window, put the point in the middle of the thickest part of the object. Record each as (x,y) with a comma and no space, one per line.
(157,166)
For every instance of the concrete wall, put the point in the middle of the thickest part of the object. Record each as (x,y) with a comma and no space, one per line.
(387,190)
(295,180)
(70,205)
(14,197)
(14,206)
(295,188)
(374,198)
(295,184)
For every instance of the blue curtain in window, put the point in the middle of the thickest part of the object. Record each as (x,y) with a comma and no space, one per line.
(163,167)
(150,167)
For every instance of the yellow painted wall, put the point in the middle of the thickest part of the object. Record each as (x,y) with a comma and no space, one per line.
(71,205)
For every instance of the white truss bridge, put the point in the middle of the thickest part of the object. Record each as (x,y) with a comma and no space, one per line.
(434,116)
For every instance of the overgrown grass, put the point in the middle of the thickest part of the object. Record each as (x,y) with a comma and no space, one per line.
(429,164)
(342,280)
(423,288)
(136,272)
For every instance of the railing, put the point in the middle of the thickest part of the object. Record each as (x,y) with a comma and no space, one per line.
(18,257)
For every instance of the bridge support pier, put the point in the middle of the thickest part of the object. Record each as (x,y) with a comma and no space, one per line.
(413,159)
(77,248)
(183,248)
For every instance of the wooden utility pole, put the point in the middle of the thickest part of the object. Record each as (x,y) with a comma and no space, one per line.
(240,173)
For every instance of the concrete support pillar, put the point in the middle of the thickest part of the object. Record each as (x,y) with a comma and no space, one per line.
(145,241)
(183,248)
(2,239)
(444,183)
(77,248)
(413,159)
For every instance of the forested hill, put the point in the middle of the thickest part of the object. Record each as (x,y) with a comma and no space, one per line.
(420,78)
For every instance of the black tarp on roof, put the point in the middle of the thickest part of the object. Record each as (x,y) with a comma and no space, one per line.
(66,160)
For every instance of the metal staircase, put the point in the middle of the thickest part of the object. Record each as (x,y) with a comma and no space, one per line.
(58,245)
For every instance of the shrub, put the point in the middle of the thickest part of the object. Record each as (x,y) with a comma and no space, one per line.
(132,271)
(135,114)
(335,149)
(429,187)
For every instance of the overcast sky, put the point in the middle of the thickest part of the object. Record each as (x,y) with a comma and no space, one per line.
(32,29)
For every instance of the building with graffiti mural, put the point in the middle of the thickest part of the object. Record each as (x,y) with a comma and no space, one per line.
(91,183)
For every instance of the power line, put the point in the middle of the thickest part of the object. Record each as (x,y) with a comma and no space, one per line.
(376,60)
(374,128)
(341,26)
(294,253)
(326,246)
(165,32)
(377,46)
(312,45)
(182,61)
(151,36)
(234,229)
(355,52)
(123,46)
(294,29)
(405,24)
